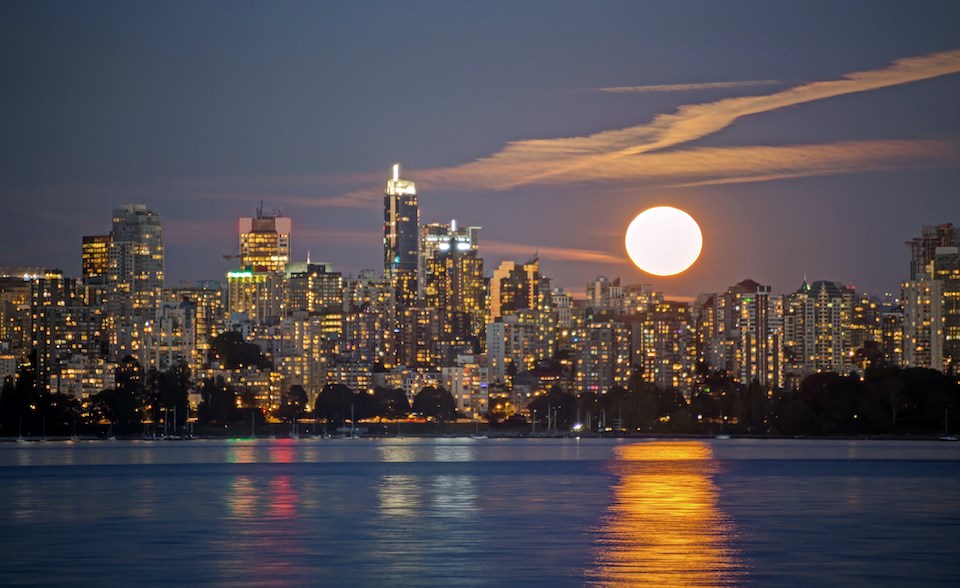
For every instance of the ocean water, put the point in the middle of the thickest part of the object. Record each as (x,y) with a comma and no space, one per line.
(485,512)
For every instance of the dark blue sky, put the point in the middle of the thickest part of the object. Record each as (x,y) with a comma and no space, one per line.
(202,109)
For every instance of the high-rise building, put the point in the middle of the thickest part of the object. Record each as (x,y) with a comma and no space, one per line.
(817,334)
(401,222)
(664,345)
(258,295)
(437,236)
(66,333)
(208,300)
(740,333)
(604,294)
(96,268)
(96,259)
(946,270)
(265,242)
(924,248)
(314,288)
(453,283)
(602,357)
(369,309)
(135,277)
(515,287)
(922,323)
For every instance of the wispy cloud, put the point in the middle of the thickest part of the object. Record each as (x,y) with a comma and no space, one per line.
(517,251)
(684,87)
(574,159)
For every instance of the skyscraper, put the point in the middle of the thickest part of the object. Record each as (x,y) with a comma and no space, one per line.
(924,248)
(265,242)
(96,259)
(135,276)
(401,222)
(817,334)
(453,281)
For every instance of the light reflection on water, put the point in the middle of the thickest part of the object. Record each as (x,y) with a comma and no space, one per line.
(665,527)
(497,512)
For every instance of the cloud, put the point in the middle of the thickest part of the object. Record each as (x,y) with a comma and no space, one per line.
(721,165)
(684,87)
(576,159)
(518,251)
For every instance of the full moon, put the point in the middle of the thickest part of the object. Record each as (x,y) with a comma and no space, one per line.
(664,241)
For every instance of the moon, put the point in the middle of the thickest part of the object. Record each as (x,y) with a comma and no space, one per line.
(664,241)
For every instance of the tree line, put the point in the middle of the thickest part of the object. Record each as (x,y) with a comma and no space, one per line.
(886,401)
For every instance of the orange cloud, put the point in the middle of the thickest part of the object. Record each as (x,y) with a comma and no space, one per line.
(519,251)
(685,87)
(578,158)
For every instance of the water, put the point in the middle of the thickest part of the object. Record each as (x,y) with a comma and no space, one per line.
(496,512)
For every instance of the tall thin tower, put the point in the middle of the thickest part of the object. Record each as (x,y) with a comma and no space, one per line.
(401,222)
(135,276)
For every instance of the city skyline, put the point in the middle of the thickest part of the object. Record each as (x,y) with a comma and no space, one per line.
(811,147)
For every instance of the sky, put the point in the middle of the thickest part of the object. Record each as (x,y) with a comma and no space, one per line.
(806,138)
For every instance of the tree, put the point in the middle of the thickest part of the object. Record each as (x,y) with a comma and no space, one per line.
(434,403)
(392,402)
(218,402)
(293,403)
(235,353)
(336,402)
(557,407)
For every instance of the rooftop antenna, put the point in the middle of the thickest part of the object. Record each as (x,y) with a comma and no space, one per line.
(396,172)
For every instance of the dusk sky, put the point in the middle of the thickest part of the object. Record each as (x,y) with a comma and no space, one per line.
(806,138)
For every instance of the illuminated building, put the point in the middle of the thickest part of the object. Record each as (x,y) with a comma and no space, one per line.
(401,221)
(356,376)
(515,287)
(258,295)
(603,357)
(411,381)
(453,283)
(95,261)
(891,342)
(209,311)
(604,294)
(865,321)
(8,366)
(369,319)
(638,298)
(946,269)
(135,276)
(467,383)
(263,387)
(740,333)
(923,323)
(435,237)
(66,332)
(265,242)
(664,346)
(520,298)
(172,339)
(15,316)
(419,330)
(817,335)
(305,350)
(82,376)
(924,248)
(314,288)
(520,339)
